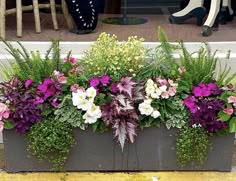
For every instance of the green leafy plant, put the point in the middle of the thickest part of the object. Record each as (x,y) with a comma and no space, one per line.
(31,65)
(51,140)
(176,115)
(193,145)
(161,61)
(198,69)
(67,113)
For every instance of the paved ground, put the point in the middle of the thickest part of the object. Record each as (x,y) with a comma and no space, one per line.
(186,32)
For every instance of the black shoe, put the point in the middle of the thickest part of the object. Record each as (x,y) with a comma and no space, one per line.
(225,16)
(198,13)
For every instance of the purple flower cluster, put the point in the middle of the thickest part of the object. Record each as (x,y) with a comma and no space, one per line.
(205,90)
(204,107)
(48,90)
(25,114)
(102,81)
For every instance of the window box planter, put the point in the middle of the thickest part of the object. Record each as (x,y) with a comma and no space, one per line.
(153,150)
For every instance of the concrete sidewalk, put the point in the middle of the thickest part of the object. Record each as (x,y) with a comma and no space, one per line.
(142,176)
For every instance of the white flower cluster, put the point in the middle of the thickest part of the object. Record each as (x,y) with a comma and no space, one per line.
(145,108)
(84,100)
(153,91)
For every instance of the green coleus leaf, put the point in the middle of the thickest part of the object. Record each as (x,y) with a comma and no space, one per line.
(8,125)
(232,125)
(223,116)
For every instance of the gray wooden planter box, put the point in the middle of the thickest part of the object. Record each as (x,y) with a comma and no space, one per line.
(153,150)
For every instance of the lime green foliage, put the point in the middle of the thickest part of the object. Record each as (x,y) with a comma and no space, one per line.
(161,60)
(51,141)
(67,113)
(193,145)
(108,56)
(31,65)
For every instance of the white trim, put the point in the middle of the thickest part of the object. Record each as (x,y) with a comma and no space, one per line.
(78,48)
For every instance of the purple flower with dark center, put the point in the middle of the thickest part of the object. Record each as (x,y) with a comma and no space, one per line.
(28,83)
(105,80)
(94,82)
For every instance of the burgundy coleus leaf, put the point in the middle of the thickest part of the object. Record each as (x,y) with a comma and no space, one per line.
(126,85)
(120,132)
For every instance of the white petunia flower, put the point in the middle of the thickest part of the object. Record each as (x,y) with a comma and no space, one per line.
(78,97)
(92,114)
(150,89)
(89,119)
(145,109)
(155,114)
(84,105)
(94,111)
(91,92)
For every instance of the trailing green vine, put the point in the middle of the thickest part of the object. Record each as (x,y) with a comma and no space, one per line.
(193,145)
(51,140)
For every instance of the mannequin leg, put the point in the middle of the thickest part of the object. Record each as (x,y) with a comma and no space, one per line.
(193,9)
(212,17)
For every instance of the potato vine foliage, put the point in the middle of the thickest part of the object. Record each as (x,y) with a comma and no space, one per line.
(118,86)
(51,141)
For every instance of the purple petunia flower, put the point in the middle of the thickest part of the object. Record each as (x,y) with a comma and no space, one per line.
(94,82)
(105,80)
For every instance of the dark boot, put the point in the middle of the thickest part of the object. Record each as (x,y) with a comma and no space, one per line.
(84,14)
